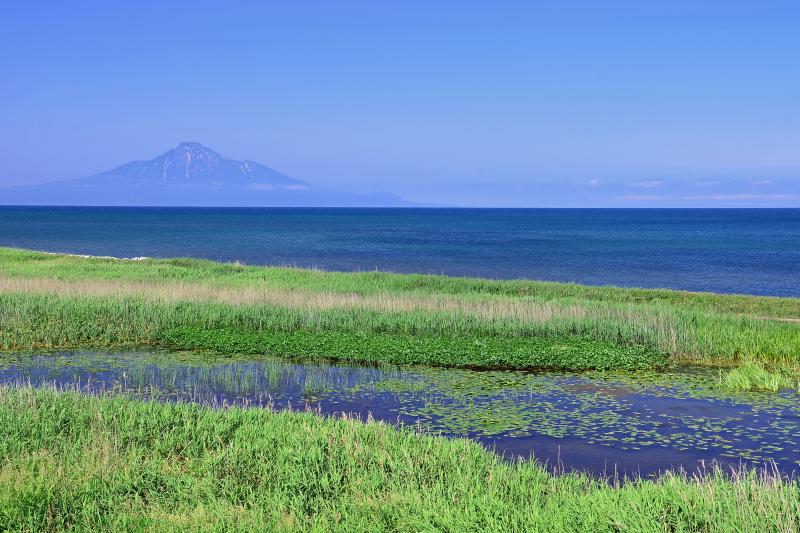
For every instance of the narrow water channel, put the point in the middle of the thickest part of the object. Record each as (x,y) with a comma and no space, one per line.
(603,423)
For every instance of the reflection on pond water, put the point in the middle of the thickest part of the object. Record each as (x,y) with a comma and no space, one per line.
(599,422)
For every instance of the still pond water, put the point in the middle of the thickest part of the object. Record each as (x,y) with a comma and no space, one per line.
(597,422)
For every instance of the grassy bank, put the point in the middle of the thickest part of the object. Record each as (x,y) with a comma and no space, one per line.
(753,377)
(49,301)
(113,464)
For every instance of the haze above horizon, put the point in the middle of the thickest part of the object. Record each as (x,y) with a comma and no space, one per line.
(568,104)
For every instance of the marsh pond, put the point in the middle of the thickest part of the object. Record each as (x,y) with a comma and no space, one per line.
(603,423)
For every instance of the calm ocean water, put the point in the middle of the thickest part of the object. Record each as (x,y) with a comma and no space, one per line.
(755,251)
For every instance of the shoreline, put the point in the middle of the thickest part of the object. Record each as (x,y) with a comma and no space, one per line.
(89,256)
(533,281)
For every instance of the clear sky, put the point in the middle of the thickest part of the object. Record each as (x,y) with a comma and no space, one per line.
(493,103)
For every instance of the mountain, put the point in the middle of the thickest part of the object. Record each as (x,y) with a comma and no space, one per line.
(191,175)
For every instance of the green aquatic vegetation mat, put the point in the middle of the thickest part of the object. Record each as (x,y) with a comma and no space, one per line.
(460,351)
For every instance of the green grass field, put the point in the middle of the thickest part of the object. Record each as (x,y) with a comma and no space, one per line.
(54,301)
(113,464)
(85,463)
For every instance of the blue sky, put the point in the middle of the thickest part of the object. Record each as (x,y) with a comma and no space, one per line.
(460,103)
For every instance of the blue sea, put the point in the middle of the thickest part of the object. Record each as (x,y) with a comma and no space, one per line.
(750,251)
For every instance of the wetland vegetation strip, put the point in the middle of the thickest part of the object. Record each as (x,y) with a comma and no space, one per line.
(50,301)
(631,423)
(72,461)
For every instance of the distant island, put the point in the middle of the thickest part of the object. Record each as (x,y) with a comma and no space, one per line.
(192,175)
